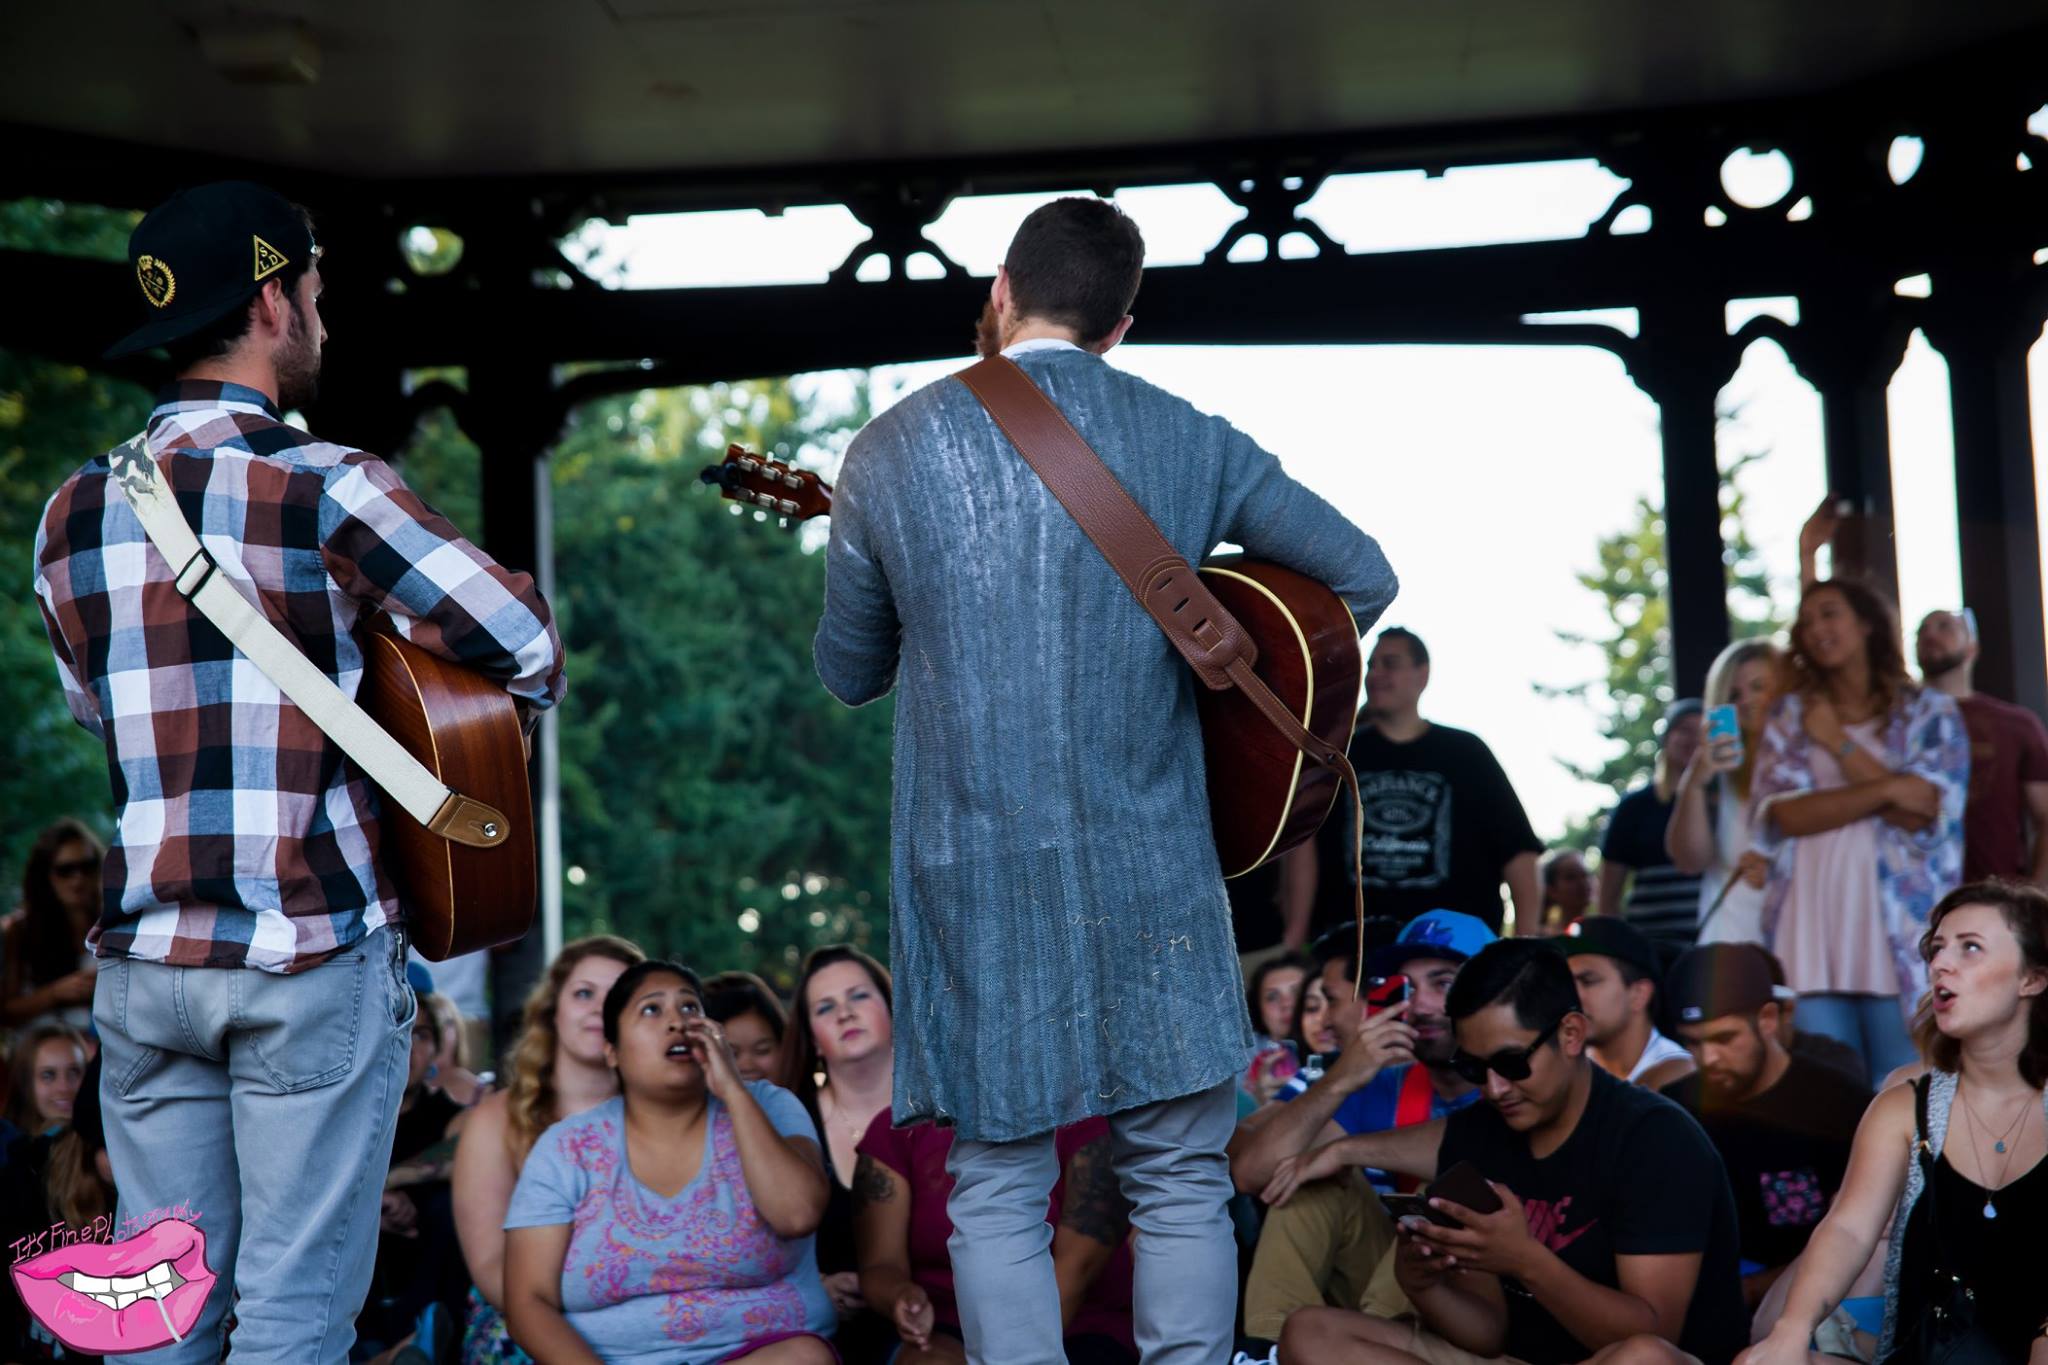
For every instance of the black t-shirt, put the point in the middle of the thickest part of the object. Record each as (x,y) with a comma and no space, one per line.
(423,1125)
(1637,1177)
(1832,1053)
(1441,823)
(1786,1152)
(1662,902)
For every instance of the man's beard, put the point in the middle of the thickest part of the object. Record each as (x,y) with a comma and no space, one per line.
(1941,665)
(1436,1053)
(298,365)
(988,331)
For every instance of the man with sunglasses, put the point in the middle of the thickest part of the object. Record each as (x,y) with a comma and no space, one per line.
(1615,1219)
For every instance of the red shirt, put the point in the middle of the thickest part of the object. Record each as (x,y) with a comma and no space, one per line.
(918,1155)
(2008,749)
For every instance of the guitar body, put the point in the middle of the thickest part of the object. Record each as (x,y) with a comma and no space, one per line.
(1265,796)
(466,730)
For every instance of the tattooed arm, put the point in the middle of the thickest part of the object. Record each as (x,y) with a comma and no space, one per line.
(881,1242)
(1093,1223)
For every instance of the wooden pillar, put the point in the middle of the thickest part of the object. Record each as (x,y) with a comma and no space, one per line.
(1852,348)
(1996,509)
(512,417)
(1683,361)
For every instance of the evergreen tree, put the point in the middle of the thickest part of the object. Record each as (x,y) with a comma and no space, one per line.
(1631,579)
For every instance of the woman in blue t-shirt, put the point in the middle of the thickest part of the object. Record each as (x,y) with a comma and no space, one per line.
(674,1222)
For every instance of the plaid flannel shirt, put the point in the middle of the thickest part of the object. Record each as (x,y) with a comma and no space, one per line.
(244,838)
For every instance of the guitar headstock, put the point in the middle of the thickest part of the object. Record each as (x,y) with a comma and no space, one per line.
(770,485)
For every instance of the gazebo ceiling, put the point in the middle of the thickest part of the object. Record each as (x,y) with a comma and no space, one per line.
(406,89)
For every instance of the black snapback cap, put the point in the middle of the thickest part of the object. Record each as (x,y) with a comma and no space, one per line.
(205,251)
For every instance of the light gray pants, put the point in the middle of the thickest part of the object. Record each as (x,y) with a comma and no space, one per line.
(1169,1160)
(265,1105)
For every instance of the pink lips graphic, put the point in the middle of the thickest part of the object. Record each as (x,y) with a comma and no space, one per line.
(172,1252)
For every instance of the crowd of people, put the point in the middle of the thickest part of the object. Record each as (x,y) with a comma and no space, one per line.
(1665,1081)
(1770,1079)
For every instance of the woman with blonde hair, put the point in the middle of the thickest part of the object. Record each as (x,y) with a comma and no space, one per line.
(1711,834)
(557,1070)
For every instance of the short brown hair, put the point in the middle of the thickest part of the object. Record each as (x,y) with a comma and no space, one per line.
(2026,913)
(1076,262)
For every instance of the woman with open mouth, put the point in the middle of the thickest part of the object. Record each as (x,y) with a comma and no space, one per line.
(674,1222)
(1960,1156)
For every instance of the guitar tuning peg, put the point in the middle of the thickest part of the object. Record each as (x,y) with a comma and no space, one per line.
(786,507)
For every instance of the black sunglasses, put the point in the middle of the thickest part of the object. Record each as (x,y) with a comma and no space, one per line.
(76,868)
(1511,1063)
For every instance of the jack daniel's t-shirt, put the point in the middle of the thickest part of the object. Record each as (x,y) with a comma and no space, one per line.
(1441,822)
(1637,1177)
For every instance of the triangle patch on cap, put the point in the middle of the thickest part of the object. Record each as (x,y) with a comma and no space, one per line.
(269,260)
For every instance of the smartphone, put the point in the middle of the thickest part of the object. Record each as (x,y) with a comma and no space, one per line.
(1723,723)
(1465,1186)
(1382,993)
(1414,1206)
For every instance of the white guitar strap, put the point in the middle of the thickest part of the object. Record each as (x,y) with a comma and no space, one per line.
(199,580)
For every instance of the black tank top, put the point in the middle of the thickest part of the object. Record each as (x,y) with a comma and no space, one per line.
(1998,1258)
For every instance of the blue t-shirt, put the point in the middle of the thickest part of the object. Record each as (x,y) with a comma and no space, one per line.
(690,1279)
(1372,1108)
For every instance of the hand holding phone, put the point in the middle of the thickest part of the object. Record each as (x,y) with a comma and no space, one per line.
(1724,736)
(1462,1185)
(1382,993)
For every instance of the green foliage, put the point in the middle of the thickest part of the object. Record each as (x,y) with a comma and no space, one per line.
(708,781)
(1630,581)
(67,229)
(53,418)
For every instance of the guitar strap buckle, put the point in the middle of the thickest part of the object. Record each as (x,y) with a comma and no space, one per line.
(198,569)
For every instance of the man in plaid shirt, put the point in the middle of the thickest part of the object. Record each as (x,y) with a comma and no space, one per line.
(252,1004)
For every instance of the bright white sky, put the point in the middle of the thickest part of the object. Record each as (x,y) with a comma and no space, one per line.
(1487,473)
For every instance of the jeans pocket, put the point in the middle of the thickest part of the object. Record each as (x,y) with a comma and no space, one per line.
(124,1060)
(304,1028)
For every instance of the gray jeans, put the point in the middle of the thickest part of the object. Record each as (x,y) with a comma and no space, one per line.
(1169,1160)
(265,1106)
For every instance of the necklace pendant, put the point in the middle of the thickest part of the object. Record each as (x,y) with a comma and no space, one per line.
(1990,1209)
(1998,1146)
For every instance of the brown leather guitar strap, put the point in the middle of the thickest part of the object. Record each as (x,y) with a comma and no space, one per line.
(1159,576)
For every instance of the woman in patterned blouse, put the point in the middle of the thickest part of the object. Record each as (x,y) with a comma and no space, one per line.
(1858,799)
(676,1221)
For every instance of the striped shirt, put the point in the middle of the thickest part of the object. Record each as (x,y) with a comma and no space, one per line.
(243,837)
(1662,902)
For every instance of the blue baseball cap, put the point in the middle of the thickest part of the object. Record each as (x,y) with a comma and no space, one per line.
(418,977)
(1443,934)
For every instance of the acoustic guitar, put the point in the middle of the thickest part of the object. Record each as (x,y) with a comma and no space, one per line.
(1264,796)
(457,896)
